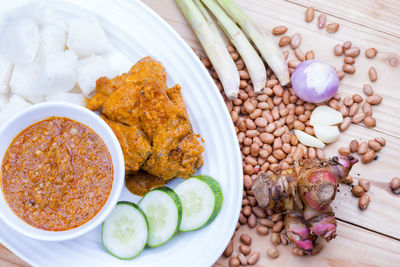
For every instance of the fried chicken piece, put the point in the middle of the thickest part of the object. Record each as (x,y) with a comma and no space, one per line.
(135,146)
(175,150)
(141,182)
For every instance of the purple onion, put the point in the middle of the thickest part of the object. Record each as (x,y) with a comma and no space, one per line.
(315,81)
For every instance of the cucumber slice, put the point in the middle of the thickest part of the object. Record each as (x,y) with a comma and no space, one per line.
(125,232)
(201,198)
(163,210)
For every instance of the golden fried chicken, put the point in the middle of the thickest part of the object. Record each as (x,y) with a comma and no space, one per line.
(151,123)
(135,146)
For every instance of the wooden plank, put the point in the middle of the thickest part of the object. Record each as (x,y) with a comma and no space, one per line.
(8,259)
(353,247)
(379,15)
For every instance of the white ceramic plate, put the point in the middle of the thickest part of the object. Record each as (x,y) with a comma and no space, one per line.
(137,31)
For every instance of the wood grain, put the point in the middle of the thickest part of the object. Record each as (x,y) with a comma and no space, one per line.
(368,23)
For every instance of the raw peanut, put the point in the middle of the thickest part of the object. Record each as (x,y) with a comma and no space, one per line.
(299,54)
(234,56)
(245,239)
(348,68)
(309,14)
(321,21)
(357,190)
(371,52)
(357,98)
(273,252)
(252,220)
(230,48)
(247,210)
(206,62)
(381,140)
(333,103)
(248,184)
(253,258)
(250,124)
(249,107)
(345,124)
(293,63)
(295,41)
(393,61)
(297,251)
(243,84)
(395,183)
(367,109)
(260,122)
(348,101)
(252,201)
(242,219)
(242,259)
(239,64)
(267,137)
(284,41)
(252,133)
(340,74)
(245,202)
(275,239)
(244,75)
(373,75)
(299,125)
(278,90)
(284,239)
(338,50)
(279,154)
(352,52)
(364,184)
(348,180)
(259,212)
(353,109)
(367,89)
(320,154)
(278,30)
(277,227)
(245,250)
(293,140)
(248,169)
(349,60)
(369,121)
(285,138)
(368,157)
(363,202)
(234,262)
(266,222)
(344,110)
(362,148)
(309,55)
(346,45)
(298,154)
(359,117)
(344,151)
(311,153)
(354,146)
(255,114)
(262,230)
(332,27)
(278,132)
(274,167)
(229,249)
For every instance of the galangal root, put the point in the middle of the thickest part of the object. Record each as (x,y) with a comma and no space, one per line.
(304,194)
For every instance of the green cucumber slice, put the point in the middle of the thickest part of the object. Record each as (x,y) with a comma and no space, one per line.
(125,232)
(201,197)
(163,210)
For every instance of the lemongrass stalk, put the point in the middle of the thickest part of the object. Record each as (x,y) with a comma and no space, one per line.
(254,64)
(267,48)
(209,37)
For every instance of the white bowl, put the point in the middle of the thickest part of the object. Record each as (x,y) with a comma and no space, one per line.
(42,111)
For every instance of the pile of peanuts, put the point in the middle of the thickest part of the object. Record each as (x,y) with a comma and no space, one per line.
(360,191)
(366,149)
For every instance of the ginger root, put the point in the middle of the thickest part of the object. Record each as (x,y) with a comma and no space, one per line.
(304,194)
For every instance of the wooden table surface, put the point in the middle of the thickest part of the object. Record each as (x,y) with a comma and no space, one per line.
(365,238)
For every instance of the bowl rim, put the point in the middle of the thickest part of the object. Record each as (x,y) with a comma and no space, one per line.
(118,170)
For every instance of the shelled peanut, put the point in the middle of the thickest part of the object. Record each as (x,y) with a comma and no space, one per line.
(366,149)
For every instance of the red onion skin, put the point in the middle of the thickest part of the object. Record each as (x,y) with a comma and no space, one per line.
(308,93)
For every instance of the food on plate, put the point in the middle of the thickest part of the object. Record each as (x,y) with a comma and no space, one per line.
(201,198)
(305,194)
(163,210)
(151,124)
(209,37)
(140,182)
(44,58)
(125,232)
(315,81)
(191,205)
(56,174)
